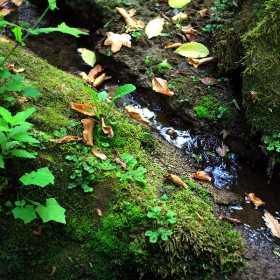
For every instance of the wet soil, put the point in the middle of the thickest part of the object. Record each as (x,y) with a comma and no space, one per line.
(233,176)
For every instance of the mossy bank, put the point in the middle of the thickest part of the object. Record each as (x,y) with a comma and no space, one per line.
(114,245)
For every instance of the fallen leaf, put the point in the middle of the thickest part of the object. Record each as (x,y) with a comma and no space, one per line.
(83,108)
(222,151)
(202,175)
(177,180)
(88,56)
(116,41)
(84,76)
(107,129)
(192,50)
(180,17)
(38,232)
(227,218)
(189,30)
(98,154)
(203,12)
(2,2)
(98,211)
(173,134)
(254,95)
(131,12)
(99,80)
(154,27)
(3,39)
(272,223)
(67,139)
(4,12)
(161,86)
(198,62)
(254,199)
(94,72)
(17,2)
(118,160)
(182,72)
(54,269)
(191,38)
(171,45)
(178,3)
(225,133)
(129,21)
(136,114)
(88,125)
(208,81)
(11,68)
(200,219)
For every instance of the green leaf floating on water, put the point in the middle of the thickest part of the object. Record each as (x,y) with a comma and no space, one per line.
(88,56)
(178,3)
(192,50)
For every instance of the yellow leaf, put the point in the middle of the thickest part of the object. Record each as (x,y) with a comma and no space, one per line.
(272,223)
(98,154)
(192,50)
(180,17)
(116,41)
(178,3)
(154,27)
(88,56)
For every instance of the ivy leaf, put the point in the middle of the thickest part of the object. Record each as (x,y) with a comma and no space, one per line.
(192,50)
(178,3)
(51,212)
(41,177)
(27,213)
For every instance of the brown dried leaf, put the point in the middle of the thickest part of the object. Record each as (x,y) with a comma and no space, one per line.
(177,180)
(189,30)
(172,45)
(88,125)
(272,223)
(161,86)
(135,114)
(227,218)
(4,12)
(254,95)
(83,108)
(202,175)
(200,219)
(197,62)
(38,232)
(67,139)
(107,129)
(17,2)
(116,41)
(54,269)
(23,99)
(208,81)
(95,71)
(203,12)
(254,199)
(179,17)
(11,68)
(182,72)
(98,211)
(99,80)
(98,154)
(84,76)
(2,2)
(225,133)
(118,160)
(173,134)
(129,21)
(191,38)
(222,151)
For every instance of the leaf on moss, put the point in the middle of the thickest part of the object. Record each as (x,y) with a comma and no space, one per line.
(177,180)
(136,114)
(254,199)
(199,218)
(202,175)
(116,41)
(83,108)
(98,211)
(67,139)
(272,223)
(88,125)
(192,50)
(98,154)
(118,160)
(161,86)
(154,27)
(107,129)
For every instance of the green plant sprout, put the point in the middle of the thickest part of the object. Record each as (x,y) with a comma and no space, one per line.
(163,64)
(52,211)
(155,213)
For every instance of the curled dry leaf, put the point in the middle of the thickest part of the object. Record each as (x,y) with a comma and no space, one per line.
(83,108)
(200,219)
(272,223)
(203,12)
(38,232)
(189,30)
(254,199)
(198,62)
(254,95)
(227,218)
(11,68)
(222,151)
(177,180)
(161,86)
(54,269)
(173,134)
(225,133)
(179,17)
(17,2)
(190,37)
(116,41)
(107,129)
(99,80)
(118,160)
(88,125)
(136,114)
(98,154)
(98,211)
(129,21)
(202,175)
(182,72)
(172,45)
(208,81)
(67,139)
(95,71)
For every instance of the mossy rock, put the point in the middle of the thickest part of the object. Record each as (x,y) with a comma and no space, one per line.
(113,246)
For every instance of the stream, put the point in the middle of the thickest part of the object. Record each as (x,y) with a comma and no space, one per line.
(231,173)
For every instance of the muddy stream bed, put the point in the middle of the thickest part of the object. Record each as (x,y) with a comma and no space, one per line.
(233,175)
